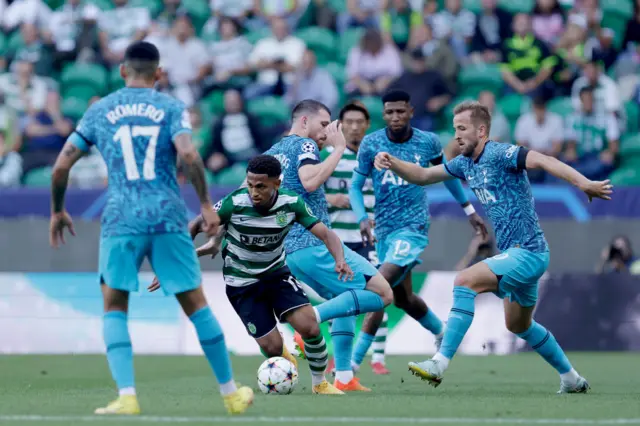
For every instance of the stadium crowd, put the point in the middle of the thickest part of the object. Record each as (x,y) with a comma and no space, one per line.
(560,77)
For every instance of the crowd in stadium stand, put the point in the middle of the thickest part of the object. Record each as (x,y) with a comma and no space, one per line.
(560,77)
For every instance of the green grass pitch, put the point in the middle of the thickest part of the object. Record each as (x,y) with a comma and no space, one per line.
(508,390)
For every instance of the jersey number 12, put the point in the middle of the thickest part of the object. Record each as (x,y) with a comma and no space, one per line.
(125,135)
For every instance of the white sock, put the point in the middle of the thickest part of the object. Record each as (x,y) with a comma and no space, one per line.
(316,379)
(344,376)
(570,377)
(317,315)
(127,391)
(355,367)
(228,388)
(443,360)
(377,358)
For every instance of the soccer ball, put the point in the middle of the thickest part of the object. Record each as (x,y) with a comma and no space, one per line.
(277,375)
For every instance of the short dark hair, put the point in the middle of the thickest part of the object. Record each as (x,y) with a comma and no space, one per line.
(308,106)
(265,165)
(396,96)
(142,59)
(354,106)
(479,113)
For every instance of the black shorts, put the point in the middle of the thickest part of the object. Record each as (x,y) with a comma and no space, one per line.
(258,305)
(368,252)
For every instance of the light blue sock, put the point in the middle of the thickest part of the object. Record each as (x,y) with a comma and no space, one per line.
(460,319)
(350,303)
(119,350)
(362,347)
(431,322)
(542,341)
(213,345)
(342,334)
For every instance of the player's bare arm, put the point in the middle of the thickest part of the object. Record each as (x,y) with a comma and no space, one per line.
(593,189)
(60,219)
(411,172)
(313,176)
(334,245)
(195,172)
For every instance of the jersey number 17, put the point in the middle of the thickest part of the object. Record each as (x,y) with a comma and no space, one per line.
(125,135)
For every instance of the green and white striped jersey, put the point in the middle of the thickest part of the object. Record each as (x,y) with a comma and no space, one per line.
(253,245)
(344,221)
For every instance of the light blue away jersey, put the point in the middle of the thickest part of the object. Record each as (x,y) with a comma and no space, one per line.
(399,204)
(134,131)
(294,152)
(499,180)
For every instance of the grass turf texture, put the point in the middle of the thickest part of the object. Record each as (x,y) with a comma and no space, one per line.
(517,389)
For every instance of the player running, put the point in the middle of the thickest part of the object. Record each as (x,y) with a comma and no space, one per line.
(496,172)
(307,258)
(355,121)
(139,131)
(401,212)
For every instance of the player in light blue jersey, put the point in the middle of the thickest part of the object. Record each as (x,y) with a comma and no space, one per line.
(140,134)
(496,173)
(307,257)
(401,212)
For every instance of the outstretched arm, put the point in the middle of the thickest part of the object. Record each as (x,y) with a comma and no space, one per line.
(356,197)
(60,175)
(593,189)
(411,172)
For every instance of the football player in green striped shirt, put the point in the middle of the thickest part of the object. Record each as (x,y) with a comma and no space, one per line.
(260,286)
(355,121)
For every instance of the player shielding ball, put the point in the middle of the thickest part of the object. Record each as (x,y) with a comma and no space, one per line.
(496,172)
(140,133)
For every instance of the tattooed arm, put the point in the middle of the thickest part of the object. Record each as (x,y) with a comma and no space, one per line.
(60,175)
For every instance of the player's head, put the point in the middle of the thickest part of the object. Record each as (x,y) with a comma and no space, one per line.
(472,122)
(140,67)
(355,123)
(310,119)
(397,112)
(263,179)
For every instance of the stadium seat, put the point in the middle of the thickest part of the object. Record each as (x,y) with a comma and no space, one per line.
(80,91)
(338,72)
(616,13)
(375,108)
(211,178)
(321,40)
(445,138)
(102,4)
(213,103)
(153,6)
(254,36)
(474,6)
(74,108)
(626,176)
(14,42)
(476,78)
(198,10)
(561,106)
(516,6)
(269,110)
(339,6)
(232,176)
(38,177)
(511,106)
(633,117)
(630,145)
(346,41)
(85,74)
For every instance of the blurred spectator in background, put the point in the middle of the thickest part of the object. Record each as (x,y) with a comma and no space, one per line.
(266,10)
(73,31)
(493,26)
(438,55)
(590,10)
(548,21)
(456,25)
(163,84)
(10,163)
(21,12)
(90,171)
(592,139)
(629,60)
(23,92)
(229,57)
(361,13)
(275,58)
(200,134)
(601,48)
(429,91)
(527,62)
(45,132)
(186,60)
(540,130)
(33,50)
(480,248)
(399,21)
(312,82)
(235,137)
(372,65)
(618,256)
(119,27)
(607,97)
(500,129)
(569,52)
(162,25)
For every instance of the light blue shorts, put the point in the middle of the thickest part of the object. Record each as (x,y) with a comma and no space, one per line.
(315,267)
(402,248)
(518,272)
(172,258)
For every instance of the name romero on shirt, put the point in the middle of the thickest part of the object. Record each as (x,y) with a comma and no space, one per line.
(135,110)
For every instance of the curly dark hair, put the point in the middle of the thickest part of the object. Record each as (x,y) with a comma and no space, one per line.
(265,165)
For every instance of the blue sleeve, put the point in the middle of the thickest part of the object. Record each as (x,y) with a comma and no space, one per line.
(85,134)
(79,142)
(364,158)
(356,197)
(180,121)
(455,187)
(507,156)
(454,167)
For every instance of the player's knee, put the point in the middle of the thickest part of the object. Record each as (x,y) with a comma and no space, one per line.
(308,329)
(464,279)
(272,347)
(517,325)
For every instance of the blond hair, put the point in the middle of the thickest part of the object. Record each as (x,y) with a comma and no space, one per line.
(480,114)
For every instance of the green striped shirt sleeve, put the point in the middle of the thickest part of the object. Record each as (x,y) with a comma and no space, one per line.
(224,208)
(304,215)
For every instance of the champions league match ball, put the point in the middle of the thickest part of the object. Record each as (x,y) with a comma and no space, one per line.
(277,375)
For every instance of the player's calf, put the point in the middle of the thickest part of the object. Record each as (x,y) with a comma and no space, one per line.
(310,340)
